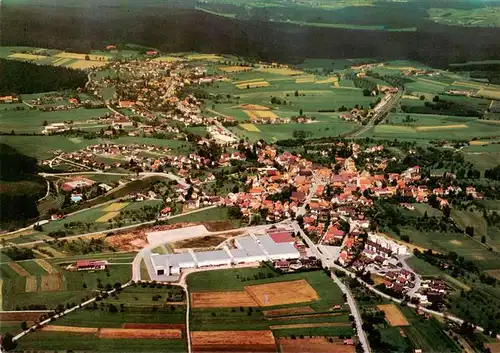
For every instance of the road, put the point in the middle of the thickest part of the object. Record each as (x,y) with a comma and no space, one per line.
(355,312)
(376,117)
(350,300)
(316,182)
(373,289)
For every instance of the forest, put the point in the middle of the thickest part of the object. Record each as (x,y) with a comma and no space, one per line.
(16,203)
(23,78)
(187,29)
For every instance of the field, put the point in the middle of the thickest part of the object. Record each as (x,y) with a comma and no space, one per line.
(233,341)
(221,299)
(31,120)
(38,287)
(261,115)
(250,127)
(283,293)
(457,242)
(140,333)
(393,315)
(26,57)
(230,69)
(96,329)
(108,216)
(296,303)
(252,84)
(312,345)
(428,127)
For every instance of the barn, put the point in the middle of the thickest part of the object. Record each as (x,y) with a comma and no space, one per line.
(89,265)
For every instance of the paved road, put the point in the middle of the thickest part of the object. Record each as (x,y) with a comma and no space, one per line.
(355,312)
(350,300)
(399,301)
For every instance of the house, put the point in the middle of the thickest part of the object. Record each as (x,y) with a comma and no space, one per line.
(90,265)
(349,342)
(151,53)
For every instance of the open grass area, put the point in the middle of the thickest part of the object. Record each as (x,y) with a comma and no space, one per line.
(273,133)
(457,242)
(135,305)
(434,127)
(32,120)
(75,285)
(213,214)
(50,341)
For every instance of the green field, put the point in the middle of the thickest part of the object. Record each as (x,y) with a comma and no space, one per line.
(75,286)
(242,318)
(31,120)
(457,242)
(434,127)
(213,214)
(427,335)
(135,305)
(63,341)
(273,133)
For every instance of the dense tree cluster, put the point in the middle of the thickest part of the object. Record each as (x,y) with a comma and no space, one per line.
(493,173)
(21,77)
(17,204)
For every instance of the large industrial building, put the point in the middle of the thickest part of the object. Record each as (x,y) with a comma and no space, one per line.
(250,248)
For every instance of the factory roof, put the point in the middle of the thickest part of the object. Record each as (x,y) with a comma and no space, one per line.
(273,248)
(248,244)
(171,259)
(211,255)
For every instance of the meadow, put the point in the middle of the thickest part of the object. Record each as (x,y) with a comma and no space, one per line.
(135,304)
(31,120)
(65,287)
(457,242)
(429,127)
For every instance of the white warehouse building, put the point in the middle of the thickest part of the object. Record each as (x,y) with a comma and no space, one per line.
(250,248)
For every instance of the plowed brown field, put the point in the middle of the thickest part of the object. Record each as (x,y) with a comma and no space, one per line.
(20,316)
(130,333)
(73,329)
(393,315)
(19,270)
(50,283)
(281,293)
(221,299)
(288,311)
(31,284)
(233,341)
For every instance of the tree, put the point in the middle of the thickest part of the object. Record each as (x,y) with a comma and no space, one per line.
(301,112)
(483,239)
(24,326)
(7,342)
(367,92)
(296,93)
(87,57)
(469,231)
(422,97)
